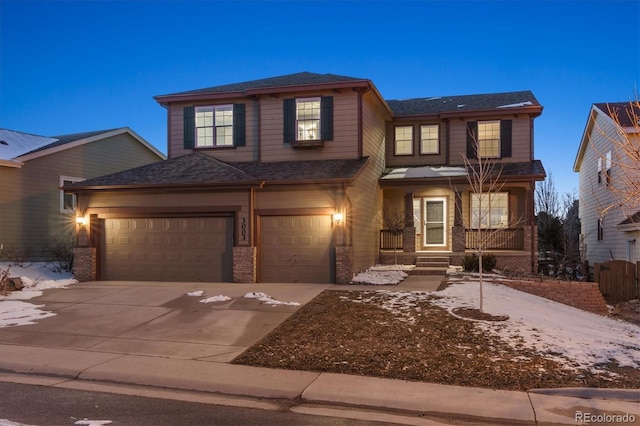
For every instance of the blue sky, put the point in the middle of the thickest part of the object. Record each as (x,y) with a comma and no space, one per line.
(73,66)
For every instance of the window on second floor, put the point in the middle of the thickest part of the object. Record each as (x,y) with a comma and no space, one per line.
(403,140)
(308,119)
(600,229)
(429,143)
(604,168)
(68,199)
(489,139)
(490,210)
(214,126)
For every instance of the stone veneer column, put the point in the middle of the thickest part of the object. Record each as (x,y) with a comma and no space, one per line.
(244,264)
(84,264)
(458,239)
(344,264)
(409,239)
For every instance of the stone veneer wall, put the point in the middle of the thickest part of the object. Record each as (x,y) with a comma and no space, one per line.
(84,264)
(581,295)
(344,264)
(244,265)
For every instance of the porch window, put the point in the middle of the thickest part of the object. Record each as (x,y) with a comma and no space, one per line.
(489,138)
(68,199)
(404,140)
(490,211)
(308,119)
(429,139)
(214,126)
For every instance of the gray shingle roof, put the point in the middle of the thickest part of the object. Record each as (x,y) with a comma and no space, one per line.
(442,104)
(513,170)
(301,78)
(201,169)
(627,112)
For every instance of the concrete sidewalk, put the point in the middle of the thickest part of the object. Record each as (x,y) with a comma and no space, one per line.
(153,335)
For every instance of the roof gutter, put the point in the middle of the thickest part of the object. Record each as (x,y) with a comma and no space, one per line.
(166,187)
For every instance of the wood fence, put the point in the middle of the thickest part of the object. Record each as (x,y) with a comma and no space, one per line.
(617,280)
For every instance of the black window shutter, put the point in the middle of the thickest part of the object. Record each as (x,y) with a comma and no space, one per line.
(289,110)
(189,116)
(326,118)
(239,133)
(472,137)
(505,138)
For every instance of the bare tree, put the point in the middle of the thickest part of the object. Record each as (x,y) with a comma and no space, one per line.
(484,178)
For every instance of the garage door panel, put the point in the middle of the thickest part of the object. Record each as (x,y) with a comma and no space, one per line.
(168,249)
(295,249)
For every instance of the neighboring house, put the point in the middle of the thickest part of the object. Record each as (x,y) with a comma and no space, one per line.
(610,224)
(33,208)
(285,179)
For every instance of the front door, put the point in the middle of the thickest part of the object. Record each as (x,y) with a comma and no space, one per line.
(435,222)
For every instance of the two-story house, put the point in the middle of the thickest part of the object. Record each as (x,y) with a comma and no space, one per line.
(285,179)
(607,163)
(35,214)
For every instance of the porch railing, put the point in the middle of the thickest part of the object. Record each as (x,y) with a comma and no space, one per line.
(495,239)
(389,240)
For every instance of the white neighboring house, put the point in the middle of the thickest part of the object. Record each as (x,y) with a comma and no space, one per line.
(609,210)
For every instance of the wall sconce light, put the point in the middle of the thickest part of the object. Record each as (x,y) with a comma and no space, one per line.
(81,220)
(338,218)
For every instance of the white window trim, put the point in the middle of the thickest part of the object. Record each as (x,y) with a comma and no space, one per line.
(319,127)
(395,141)
(437,139)
(444,221)
(61,184)
(497,154)
(213,126)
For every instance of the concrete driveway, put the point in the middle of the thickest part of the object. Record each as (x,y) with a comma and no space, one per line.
(159,319)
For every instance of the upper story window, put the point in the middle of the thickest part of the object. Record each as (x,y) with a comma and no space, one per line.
(68,199)
(214,126)
(308,119)
(308,122)
(490,210)
(429,139)
(489,138)
(404,140)
(604,168)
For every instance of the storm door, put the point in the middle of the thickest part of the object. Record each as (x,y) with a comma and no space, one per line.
(435,223)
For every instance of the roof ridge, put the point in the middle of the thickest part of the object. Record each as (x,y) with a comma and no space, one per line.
(226,165)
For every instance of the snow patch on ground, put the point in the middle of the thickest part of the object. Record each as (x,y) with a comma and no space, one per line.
(213,299)
(383,275)
(265,298)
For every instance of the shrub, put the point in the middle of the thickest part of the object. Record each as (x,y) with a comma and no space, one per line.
(60,248)
(471,263)
(15,254)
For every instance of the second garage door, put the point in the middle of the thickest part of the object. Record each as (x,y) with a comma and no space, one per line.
(295,249)
(168,249)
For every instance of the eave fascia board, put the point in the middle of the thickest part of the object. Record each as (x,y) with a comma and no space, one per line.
(88,140)
(533,111)
(196,97)
(11,163)
(165,187)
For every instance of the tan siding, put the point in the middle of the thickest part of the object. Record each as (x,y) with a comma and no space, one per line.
(12,209)
(365,195)
(520,140)
(249,152)
(300,197)
(416,159)
(345,131)
(40,178)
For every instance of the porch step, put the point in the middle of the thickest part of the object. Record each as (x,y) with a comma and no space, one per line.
(431,265)
(435,262)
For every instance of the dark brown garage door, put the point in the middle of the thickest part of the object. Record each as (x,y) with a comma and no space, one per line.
(295,249)
(168,249)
